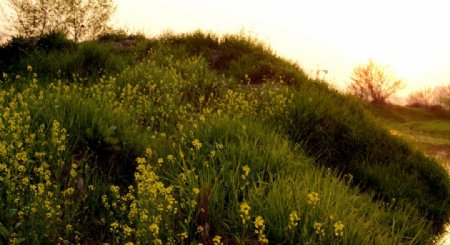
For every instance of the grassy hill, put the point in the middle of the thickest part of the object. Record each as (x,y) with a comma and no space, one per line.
(195,138)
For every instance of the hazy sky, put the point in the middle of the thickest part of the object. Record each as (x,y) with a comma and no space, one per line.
(412,37)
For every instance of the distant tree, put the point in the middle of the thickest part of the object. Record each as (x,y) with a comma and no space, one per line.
(442,95)
(373,83)
(78,19)
(421,98)
(4,30)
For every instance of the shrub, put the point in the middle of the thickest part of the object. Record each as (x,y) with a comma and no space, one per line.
(55,41)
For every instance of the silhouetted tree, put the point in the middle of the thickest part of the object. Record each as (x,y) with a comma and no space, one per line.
(372,83)
(78,19)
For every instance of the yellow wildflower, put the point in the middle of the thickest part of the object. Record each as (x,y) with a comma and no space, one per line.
(170,158)
(293,220)
(200,229)
(183,235)
(338,228)
(154,229)
(196,143)
(259,229)
(21,168)
(69,191)
(141,160)
(127,230)
(219,146)
(212,154)
(201,99)
(244,210)
(217,240)
(318,227)
(115,189)
(160,161)
(25,181)
(259,223)
(313,198)
(73,172)
(196,190)
(182,177)
(148,152)
(246,171)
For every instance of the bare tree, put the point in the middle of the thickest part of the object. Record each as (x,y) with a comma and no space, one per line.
(421,98)
(373,83)
(442,96)
(79,19)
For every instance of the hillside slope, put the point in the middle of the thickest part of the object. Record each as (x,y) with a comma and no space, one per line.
(194,138)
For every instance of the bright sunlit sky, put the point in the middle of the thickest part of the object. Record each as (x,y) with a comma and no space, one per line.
(411,37)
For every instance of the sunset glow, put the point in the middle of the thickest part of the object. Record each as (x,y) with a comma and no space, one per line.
(408,36)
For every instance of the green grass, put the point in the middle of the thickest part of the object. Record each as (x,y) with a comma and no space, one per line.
(172,139)
(428,130)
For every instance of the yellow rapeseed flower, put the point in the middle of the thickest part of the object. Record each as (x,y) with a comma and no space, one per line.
(293,220)
(69,191)
(338,228)
(160,161)
(212,154)
(196,190)
(115,190)
(219,146)
(244,212)
(114,227)
(217,240)
(259,223)
(196,143)
(246,171)
(313,198)
(73,172)
(182,177)
(200,229)
(154,229)
(259,229)
(170,158)
(127,230)
(183,235)
(318,227)
(148,152)
(201,99)
(141,160)
(25,181)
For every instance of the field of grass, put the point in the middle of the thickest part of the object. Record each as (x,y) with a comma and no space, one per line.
(429,130)
(199,139)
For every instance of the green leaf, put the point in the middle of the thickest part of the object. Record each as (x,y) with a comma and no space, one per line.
(4,232)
